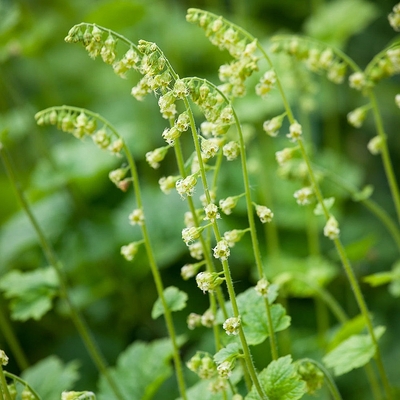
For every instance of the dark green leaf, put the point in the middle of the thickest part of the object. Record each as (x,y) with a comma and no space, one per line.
(31,293)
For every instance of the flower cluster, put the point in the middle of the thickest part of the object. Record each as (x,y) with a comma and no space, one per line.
(209,147)
(211,212)
(231,150)
(222,250)
(226,36)
(234,236)
(262,287)
(272,126)
(185,187)
(225,369)
(203,365)
(282,156)
(375,145)
(76,396)
(331,228)
(394,18)
(208,281)
(190,270)
(80,123)
(266,83)
(303,195)
(264,213)
(315,58)
(189,235)
(119,179)
(218,113)
(129,251)
(357,116)
(167,183)
(193,321)
(357,80)
(228,204)
(232,325)
(295,132)
(156,156)
(136,217)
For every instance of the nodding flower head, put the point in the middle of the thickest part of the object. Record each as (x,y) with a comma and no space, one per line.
(208,281)
(331,229)
(222,250)
(264,213)
(185,187)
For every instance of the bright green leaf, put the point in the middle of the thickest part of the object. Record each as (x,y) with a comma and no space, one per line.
(228,352)
(140,370)
(175,298)
(51,376)
(378,279)
(254,317)
(352,327)
(280,381)
(329,202)
(335,22)
(299,277)
(353,353)
(31,293)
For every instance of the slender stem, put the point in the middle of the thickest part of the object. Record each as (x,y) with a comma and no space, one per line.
(3,385)
(387,164)
(13,342)
(18,379)
(157,279)
(328,378)
(225,264)
(206,252)
(364,310)
(375,208)
(53,260)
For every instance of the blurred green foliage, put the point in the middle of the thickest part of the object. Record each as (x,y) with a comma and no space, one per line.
(85,217)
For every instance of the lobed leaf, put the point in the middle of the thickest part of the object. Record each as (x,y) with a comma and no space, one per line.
(175,298)
(51,376)
(354,352)
(31,293)
(280,381)
(140,370)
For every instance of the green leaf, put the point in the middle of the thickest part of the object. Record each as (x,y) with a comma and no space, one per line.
(254,317)
(352,327)
(379,279)
(18,234)
(382,278)
(31,293)
(140,370)
(298,277)
(50,377)
(329,202)
(335,22)
(352,353)
(228,352)
(280,381)
(175,298)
